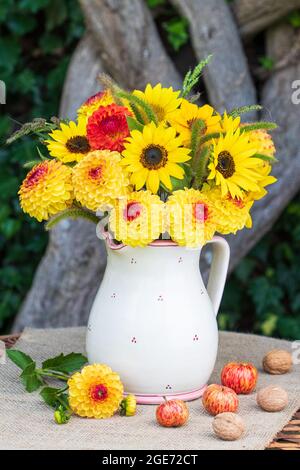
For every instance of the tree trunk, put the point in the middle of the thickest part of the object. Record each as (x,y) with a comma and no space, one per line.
(213,31)
(255,15)
(278,106)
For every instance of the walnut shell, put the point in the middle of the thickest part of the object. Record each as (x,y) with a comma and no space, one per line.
(277,362)
(228,426)
(272,398)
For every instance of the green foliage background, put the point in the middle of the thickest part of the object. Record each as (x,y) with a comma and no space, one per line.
(37,40)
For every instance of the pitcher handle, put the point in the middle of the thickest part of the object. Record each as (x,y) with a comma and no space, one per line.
(218,271)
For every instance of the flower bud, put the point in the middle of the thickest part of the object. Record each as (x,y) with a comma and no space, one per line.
(128,406)
(61,415)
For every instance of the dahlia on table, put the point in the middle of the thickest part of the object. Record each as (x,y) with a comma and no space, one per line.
(154,163)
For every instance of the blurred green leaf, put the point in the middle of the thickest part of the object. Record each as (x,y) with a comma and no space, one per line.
(294,19)
(155,3)
(33,5)
(177,32)
(20,24)
(50,43)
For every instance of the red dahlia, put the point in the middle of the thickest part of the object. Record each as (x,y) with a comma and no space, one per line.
(107,128)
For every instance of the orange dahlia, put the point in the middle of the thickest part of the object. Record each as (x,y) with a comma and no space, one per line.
(99,179)
(95,392)
(46,190)
(102,98)
(107,128)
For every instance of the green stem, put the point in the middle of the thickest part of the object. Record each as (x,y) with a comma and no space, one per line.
(201,170)
(73,213)
(55,375)
(141,103)
(244,109)
(258,125)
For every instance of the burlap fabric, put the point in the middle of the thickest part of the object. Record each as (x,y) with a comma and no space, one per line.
(27,423)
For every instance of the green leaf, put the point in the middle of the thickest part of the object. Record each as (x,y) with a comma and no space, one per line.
(33,5)
(50,43)
(177,32)
(133,124)
(267,63)
(10,51)
(65,363)
(155,3)
(294,19)
(54,397)
(56,14)
(20,24)
(30,378)
(19,358)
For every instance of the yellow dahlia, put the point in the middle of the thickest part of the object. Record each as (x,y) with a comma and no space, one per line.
(262,141)
(232,214)
(228,123)
(69,143)
(152,156)
(137,219)
(95,392)
(46,190)
(191,217)
(183,119)
(162,100)
(233,164)
(99,179)
(102,98)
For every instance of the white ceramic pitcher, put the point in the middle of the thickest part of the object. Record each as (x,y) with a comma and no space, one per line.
(154,322)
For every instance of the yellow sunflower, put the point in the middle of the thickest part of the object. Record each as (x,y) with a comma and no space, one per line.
(191,217)
(46,190)
(228,123)
(183,119)
(102,98)
(95,392)
(152,156)
(99,179)
(69,143)
(162,100)
(137,219)
(264,169)
(233,164)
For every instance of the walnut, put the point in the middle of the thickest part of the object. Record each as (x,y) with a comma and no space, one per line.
(277,362)
(272,398)
(228,426)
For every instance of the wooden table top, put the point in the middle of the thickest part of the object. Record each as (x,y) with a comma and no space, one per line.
(287,439)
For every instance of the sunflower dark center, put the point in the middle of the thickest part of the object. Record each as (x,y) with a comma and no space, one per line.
(78,144)
(226,165)
(154,157)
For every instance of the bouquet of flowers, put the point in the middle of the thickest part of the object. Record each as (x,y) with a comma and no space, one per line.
(153,163)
